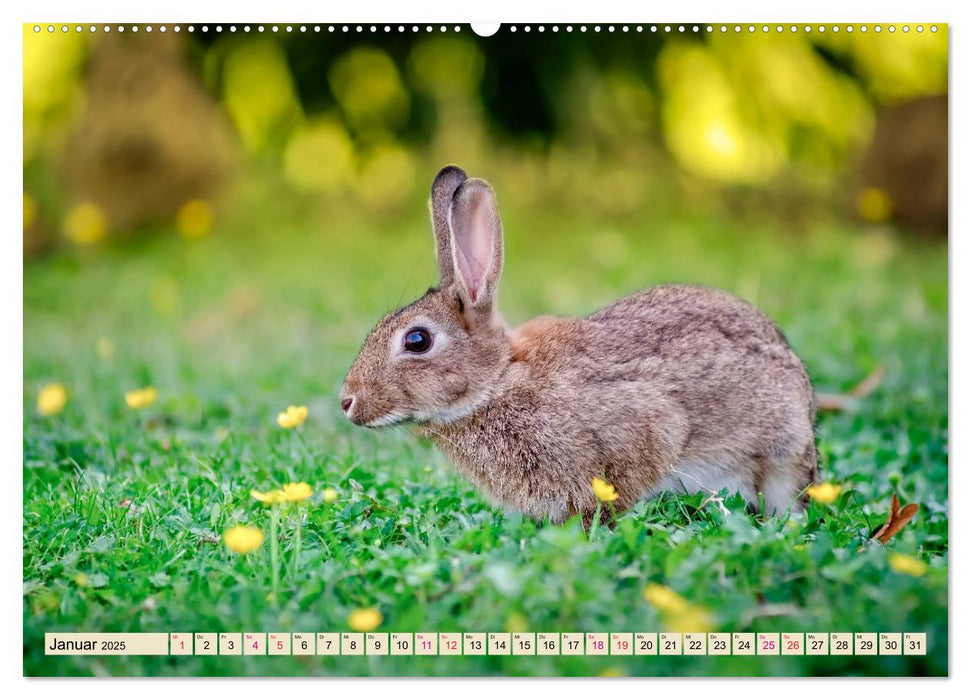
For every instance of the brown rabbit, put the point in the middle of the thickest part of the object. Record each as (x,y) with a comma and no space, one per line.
(677,387)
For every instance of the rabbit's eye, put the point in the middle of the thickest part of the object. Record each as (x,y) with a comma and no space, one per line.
(418,341)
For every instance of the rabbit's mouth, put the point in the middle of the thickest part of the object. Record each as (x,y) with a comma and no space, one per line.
(370,409)
(391,418)
(360,414)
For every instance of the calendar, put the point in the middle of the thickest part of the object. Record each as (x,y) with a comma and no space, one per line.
(550,348)
(485,643)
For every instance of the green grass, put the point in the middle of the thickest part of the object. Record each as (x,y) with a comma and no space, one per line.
(270,310)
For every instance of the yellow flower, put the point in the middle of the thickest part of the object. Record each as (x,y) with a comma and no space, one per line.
(825,492)
(85,224)
(664,599)
(52,399)
(874,204)
(291,418)
(194,218)
(243,539)
(693,619)
(365,619)
(297,492)
(290,493)
(82,580)
(604,491)
(269,497)
(141,398)
(678,614)
(904,564)
(330,495)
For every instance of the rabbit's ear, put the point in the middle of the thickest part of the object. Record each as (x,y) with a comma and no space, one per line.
(443,189)
(476,241)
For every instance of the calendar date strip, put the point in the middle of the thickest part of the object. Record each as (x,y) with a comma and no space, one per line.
(486,644)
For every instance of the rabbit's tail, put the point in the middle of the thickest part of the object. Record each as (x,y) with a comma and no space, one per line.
(849,400)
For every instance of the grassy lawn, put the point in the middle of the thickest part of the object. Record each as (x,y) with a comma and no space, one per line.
(124,510)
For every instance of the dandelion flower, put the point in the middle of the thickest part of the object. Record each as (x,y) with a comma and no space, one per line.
(141,398)
(694,619)
(330,495)
(664,599)
(825,492)
(290,493)
(85,224)
(678,614)
(365,619)
(293,417)
(604,491)
(243,539)
(52,399)
(297,492)
(194,218)
(903,564)
(270,497)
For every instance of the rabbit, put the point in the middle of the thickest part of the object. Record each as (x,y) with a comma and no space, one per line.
(674,388)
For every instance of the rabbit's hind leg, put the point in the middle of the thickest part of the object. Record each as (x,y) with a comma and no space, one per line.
(784,479)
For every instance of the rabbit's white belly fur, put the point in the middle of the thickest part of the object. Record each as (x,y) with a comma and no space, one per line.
(779,486)
(708,476)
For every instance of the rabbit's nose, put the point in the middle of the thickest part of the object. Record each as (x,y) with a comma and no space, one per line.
(346,403)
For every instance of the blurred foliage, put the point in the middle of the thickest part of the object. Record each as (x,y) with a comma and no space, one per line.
(742,110)
(259,94)
(616,124)
(52,89)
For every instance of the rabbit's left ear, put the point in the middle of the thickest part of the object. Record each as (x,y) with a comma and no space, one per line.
(443,189)
(476,242)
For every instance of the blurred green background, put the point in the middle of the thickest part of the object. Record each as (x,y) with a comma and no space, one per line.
(224,215)
(128,130)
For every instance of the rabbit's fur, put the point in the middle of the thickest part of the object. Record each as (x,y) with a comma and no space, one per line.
(676,387)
